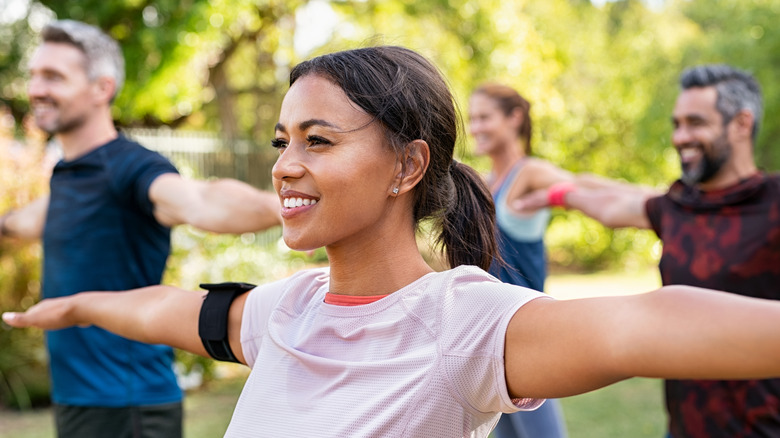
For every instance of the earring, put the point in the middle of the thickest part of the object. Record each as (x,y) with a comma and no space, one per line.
(395,190)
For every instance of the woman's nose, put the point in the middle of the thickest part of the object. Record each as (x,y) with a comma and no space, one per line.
(289,164)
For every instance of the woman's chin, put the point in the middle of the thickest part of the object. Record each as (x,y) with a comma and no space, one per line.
(297,244)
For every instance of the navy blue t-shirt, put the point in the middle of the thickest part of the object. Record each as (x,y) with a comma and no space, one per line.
(100,234)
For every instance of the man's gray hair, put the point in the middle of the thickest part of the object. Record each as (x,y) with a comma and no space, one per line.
(737,90)
(103,54)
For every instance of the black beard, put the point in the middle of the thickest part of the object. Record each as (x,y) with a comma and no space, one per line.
(712,161)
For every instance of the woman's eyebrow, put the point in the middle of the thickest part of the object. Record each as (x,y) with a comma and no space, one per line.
(317,122)
(308,124)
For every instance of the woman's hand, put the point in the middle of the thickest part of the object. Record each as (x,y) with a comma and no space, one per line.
(49,314)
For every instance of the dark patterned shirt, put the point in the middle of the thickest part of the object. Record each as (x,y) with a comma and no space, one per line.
(727,240)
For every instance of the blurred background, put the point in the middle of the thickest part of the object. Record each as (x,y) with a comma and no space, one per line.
(205,79)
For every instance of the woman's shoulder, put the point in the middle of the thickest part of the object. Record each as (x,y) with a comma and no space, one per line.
(471,284)
(475,302)
(466,274)
(304,280)
(291,292)
(472,279)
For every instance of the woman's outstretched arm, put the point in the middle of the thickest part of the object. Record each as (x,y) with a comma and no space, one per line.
(563,348)
(153,315)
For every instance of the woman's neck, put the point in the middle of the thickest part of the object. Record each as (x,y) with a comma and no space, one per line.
(503,160)
(379,267)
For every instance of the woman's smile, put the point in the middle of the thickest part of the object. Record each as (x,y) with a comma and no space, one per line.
(294,203)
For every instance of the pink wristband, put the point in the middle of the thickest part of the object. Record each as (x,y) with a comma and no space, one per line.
(556,193)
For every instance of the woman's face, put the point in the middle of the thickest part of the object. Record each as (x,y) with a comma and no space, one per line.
(490,127)
(335,173)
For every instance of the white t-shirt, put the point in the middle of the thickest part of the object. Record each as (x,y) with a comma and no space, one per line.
(425,361)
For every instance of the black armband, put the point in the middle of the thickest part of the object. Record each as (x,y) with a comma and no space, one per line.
(213,320)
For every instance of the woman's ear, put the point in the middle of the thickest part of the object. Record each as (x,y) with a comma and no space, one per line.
(412,166)
(517,118)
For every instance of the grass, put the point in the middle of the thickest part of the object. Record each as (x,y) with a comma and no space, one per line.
(632,408)
(207,413)
(629,409)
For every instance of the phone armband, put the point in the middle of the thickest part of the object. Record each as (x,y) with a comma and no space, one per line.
(213,319)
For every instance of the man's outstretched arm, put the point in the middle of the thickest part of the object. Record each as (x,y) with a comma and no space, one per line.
(615,204)
(220,206)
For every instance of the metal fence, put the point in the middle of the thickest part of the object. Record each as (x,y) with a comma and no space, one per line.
(201,155)
(205,155)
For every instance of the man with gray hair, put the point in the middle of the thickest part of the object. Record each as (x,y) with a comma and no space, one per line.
(720,228)
(105,225)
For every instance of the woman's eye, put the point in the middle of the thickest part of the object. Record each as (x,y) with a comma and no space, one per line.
(315,140)
(278,143)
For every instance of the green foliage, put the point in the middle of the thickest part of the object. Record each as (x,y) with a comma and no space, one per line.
(23,375)
(216,65)
(16,39)
(744,34)
(156,43)
(578,243)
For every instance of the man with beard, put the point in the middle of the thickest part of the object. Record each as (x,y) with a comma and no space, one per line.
(106,226)
(720,226)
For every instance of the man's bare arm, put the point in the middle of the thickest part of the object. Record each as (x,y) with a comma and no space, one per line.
(613,203)
(220,206)
(26,222)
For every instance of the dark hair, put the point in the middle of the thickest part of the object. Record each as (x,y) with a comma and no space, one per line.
(103,54)
(410,98)
(737,90)
(508,100)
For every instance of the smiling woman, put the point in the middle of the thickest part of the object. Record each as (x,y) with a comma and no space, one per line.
(316,138)
(379,344)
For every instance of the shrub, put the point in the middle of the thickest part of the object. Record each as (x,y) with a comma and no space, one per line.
(24,173)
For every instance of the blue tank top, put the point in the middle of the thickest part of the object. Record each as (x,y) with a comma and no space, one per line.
(100,234)
(520,241)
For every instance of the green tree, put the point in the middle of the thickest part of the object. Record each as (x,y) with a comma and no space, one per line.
(744,34)
(214,65)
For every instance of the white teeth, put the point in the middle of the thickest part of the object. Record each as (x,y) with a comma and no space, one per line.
(42,107)
(689,153)
(43,104)
(297,202)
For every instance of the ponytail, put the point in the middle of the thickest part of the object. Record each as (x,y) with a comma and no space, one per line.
(468,225)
